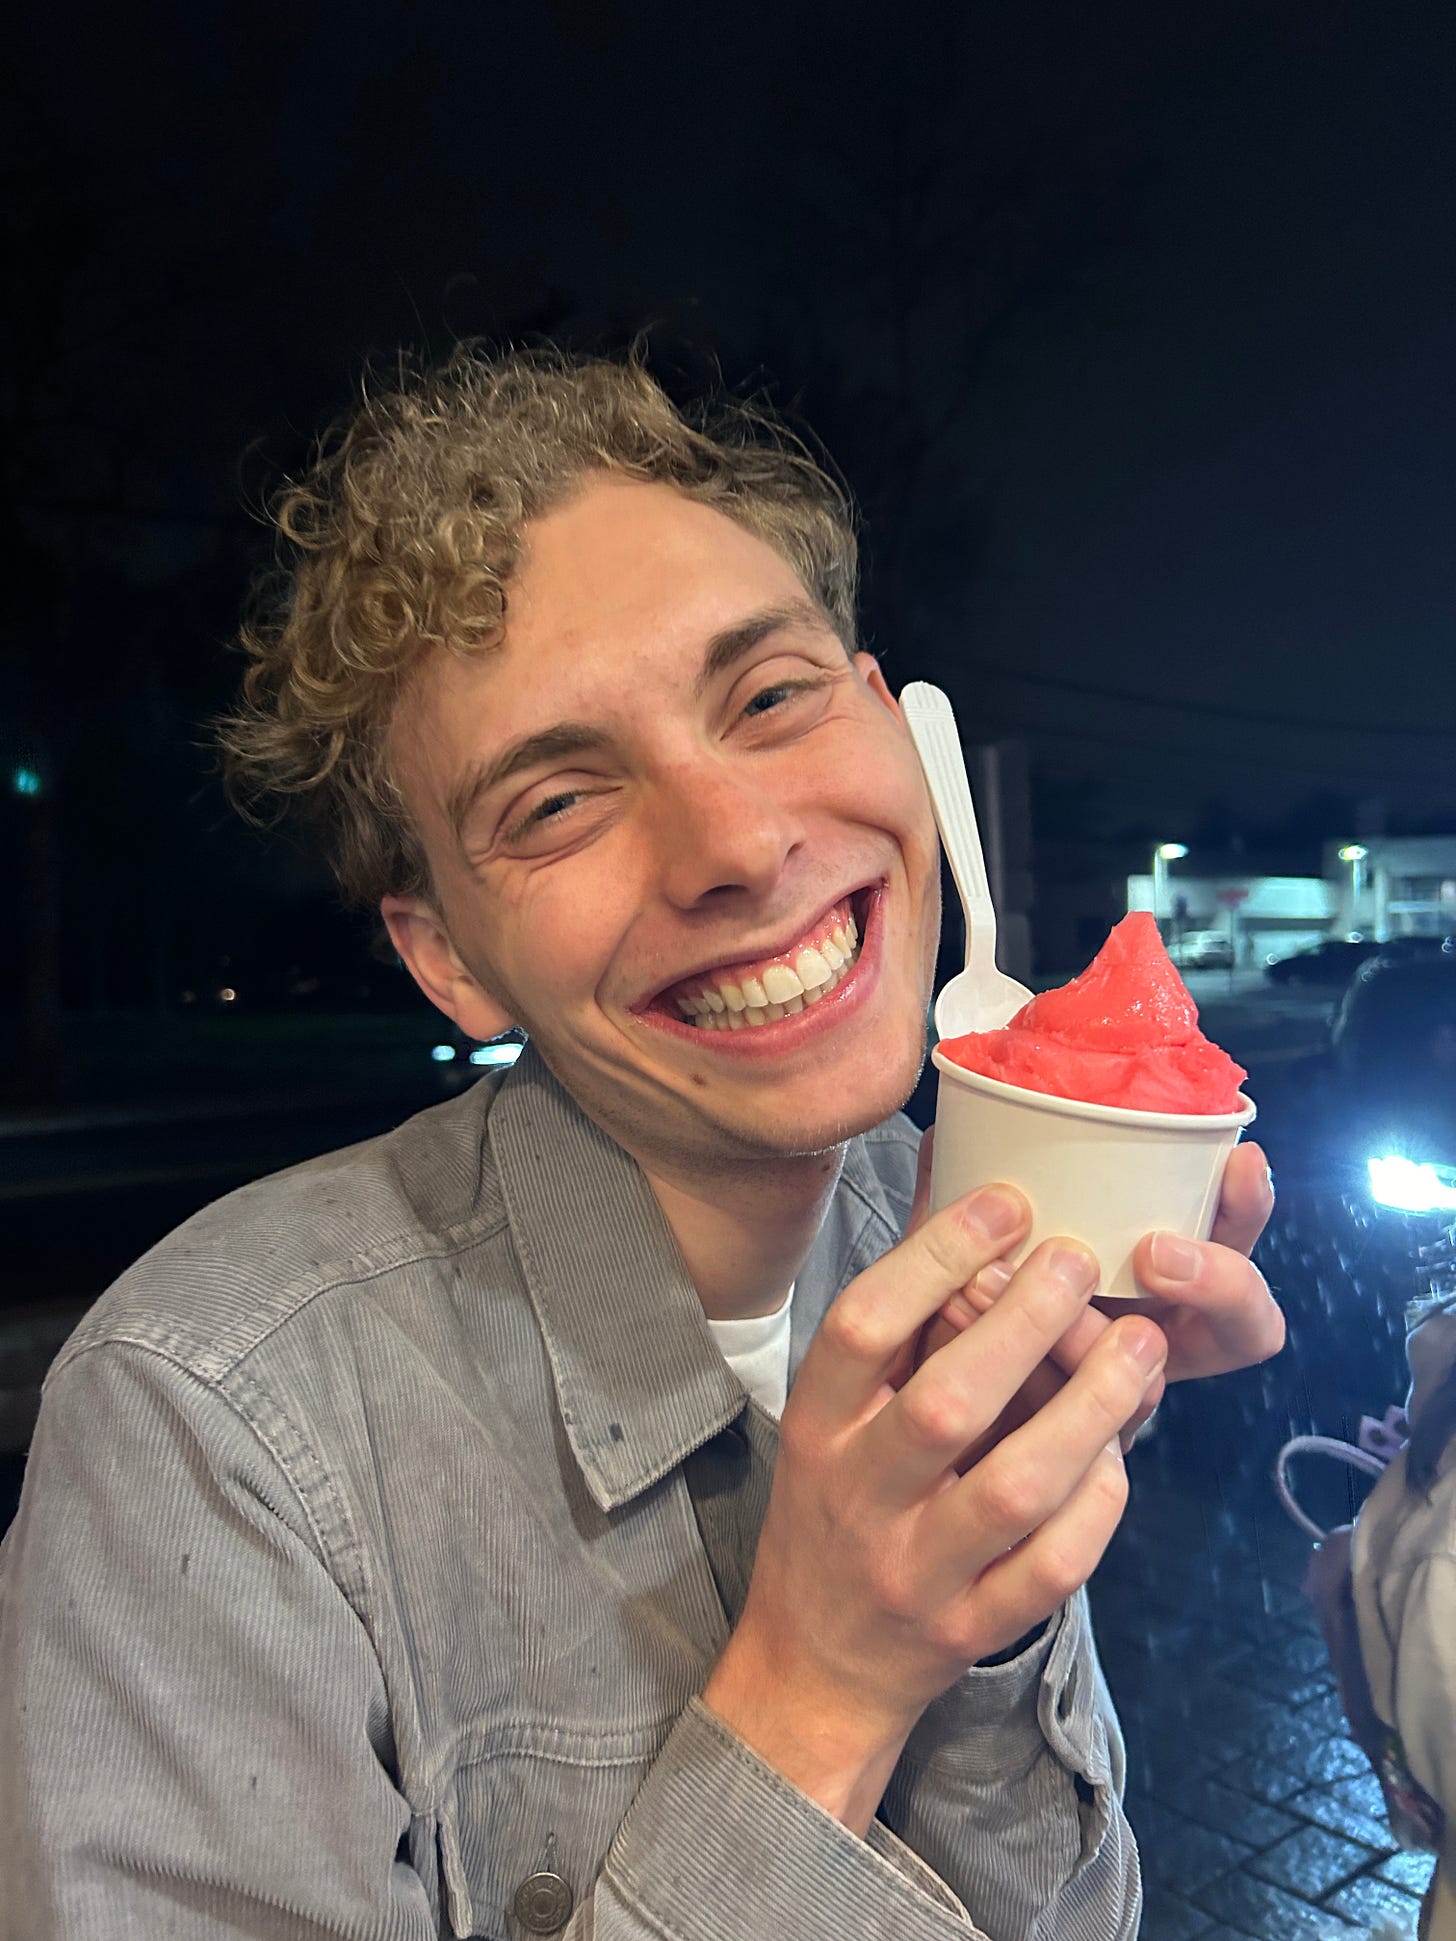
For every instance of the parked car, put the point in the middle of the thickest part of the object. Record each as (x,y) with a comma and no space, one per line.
(1203,950)
(1331,963)
(1395,1030)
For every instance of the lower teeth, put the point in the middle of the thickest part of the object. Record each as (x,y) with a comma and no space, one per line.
(758,1015)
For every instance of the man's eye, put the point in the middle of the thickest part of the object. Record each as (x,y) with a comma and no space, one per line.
(769,698)
(545,810)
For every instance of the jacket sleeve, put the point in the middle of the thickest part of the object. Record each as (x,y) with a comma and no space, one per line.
(1010,1788)
(198,1728)
(195,1720)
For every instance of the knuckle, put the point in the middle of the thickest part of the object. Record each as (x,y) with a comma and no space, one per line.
(932,1415)
(1010,1495)
(1058,1570)
(1115,1385)
(849,1329)
(952,1244)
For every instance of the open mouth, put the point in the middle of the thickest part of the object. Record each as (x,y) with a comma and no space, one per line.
(749,995)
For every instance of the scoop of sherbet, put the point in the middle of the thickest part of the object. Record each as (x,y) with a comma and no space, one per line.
(1123,1033)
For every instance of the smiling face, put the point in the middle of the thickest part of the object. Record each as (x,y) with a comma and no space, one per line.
(677,835)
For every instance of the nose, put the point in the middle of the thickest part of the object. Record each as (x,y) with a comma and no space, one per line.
(720,831)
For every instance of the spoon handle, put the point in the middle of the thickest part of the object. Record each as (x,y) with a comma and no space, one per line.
(932,724)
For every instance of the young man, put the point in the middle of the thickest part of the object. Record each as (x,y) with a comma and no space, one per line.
(410,1546)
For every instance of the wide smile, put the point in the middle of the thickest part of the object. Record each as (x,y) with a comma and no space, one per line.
(787,993)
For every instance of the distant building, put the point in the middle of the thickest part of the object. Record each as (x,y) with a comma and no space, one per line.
(1394,886)
(1384,886)
(1267,916)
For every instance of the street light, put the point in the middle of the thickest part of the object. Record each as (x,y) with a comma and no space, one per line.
(1354,853)
(1165,853)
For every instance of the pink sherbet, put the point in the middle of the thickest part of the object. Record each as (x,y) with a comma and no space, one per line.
(1123,1033)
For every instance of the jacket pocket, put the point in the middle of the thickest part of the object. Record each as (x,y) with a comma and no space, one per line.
(542,1806)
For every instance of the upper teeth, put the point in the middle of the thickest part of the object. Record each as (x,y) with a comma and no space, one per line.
(780,990)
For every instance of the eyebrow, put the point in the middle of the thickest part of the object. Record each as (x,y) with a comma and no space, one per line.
(566,738)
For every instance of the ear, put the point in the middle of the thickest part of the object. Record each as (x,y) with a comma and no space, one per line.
(869,670)
(421,939)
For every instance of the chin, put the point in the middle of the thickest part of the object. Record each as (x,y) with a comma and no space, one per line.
(794,1134)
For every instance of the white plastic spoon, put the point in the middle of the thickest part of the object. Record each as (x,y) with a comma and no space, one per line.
(979,998)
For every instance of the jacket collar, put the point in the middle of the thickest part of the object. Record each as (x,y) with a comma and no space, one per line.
(639,1380)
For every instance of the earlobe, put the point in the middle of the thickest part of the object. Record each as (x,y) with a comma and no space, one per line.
(424,947)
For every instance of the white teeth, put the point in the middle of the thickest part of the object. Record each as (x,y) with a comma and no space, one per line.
(780,983)
(781,991)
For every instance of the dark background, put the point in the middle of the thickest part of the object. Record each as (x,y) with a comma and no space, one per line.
(1130,326)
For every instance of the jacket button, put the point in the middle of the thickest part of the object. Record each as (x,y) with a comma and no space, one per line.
(542,1904)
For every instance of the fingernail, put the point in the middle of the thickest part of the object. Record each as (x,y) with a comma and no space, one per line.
(1175,1258)
(992,1281)
(1146,1346)
(1074,1267)
(997,1211)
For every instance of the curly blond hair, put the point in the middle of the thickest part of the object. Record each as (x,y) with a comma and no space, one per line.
(401,540)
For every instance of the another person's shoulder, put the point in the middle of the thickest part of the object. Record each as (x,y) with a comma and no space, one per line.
(244,1267)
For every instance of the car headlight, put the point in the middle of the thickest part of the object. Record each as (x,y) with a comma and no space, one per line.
(1412,1186)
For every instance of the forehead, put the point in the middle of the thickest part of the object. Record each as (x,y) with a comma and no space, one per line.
(615,596)
(623,562)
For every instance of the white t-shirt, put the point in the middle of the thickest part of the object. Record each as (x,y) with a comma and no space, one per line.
(757,1351)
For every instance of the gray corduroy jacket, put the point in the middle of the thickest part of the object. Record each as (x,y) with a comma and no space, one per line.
(357,1590)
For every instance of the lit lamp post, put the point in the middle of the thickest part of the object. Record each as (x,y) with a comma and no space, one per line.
(1165,853)
(1354,853)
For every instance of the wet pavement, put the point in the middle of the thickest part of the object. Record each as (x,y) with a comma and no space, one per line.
(1255,1814)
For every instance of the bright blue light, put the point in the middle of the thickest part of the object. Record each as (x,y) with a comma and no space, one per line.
(496,1054)
(25,781)
(442,1054)
(1411,1186)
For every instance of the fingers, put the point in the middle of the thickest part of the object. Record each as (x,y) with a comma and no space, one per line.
(866,1329)
(1030,1581)
(1025,1482)
(1246,1199)
(953,1398)
(1218,1312)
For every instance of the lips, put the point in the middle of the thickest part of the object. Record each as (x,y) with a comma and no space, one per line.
(749,994)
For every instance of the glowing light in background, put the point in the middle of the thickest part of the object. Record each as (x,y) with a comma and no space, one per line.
(1412,1186)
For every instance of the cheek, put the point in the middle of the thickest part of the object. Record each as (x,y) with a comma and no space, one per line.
(554,939)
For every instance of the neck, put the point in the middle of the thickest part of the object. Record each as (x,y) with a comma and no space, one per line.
(744,1236)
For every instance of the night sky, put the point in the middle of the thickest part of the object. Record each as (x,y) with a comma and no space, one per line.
(1132,331)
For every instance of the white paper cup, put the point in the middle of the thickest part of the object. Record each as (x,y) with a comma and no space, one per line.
(1101,1174)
